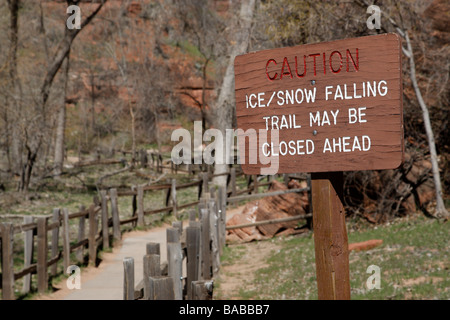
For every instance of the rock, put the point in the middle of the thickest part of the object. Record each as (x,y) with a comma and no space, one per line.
(273,207)
(247,216)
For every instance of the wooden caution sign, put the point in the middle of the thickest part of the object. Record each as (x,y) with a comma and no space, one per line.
(336,106)
(322,108)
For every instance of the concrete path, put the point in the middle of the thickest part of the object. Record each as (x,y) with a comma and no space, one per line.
(106,281)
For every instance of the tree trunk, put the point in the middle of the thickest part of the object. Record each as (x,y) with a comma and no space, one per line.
(15,107)
(441,211)
(203,105)
(225,104)
(61,126)
(35,140)
(133,133)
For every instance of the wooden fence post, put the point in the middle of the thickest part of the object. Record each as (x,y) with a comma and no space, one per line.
(213,236)
(152,164)
(202,290)
(55,240)
(161,288)
(309,184)
(128,279)
(179,226)
(175,259)
(66,239)
(233,181)
(158,164)
(174,197)
(286,179)
(81,234)
(205,245)
(204,177)
(172,235)
(134,205)
(152,268)
(115,215)
(42,250)
(93,227)
(192,215)
(105,221)
(222,210)
(193,252)
(330,237)
(255,184)
(7,261)
(140,206)
(153,248)
(27,254)
(144,159)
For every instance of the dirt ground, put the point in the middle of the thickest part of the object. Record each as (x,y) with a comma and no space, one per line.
(241,272)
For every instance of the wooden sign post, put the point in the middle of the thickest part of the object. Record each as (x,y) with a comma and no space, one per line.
(330,236)
(322,108)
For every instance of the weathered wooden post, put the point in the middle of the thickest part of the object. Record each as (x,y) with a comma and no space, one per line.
(202,290)
(175,259)
(115,215)
(205,245)
(222,211)
(255,184)
(152,268)
(140,206)
(143,158)
(174,197)
(161,288)
(93,226)
(134,205)
(28,254)
(192,215)
(214,237)
(204,177)
(179,226)
(311,131)
(7,230)
(128,278)
(81,235)
(172,235)
(55,240)
(193,252)
(153,248)
(66,239)
(286,179)
(105,219)
(233,181)
(42,250)
(330,237)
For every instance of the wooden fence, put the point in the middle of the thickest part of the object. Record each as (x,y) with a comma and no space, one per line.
(196,249)
(98,227)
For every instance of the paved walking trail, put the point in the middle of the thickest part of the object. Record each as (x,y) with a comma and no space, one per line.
(106,281)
